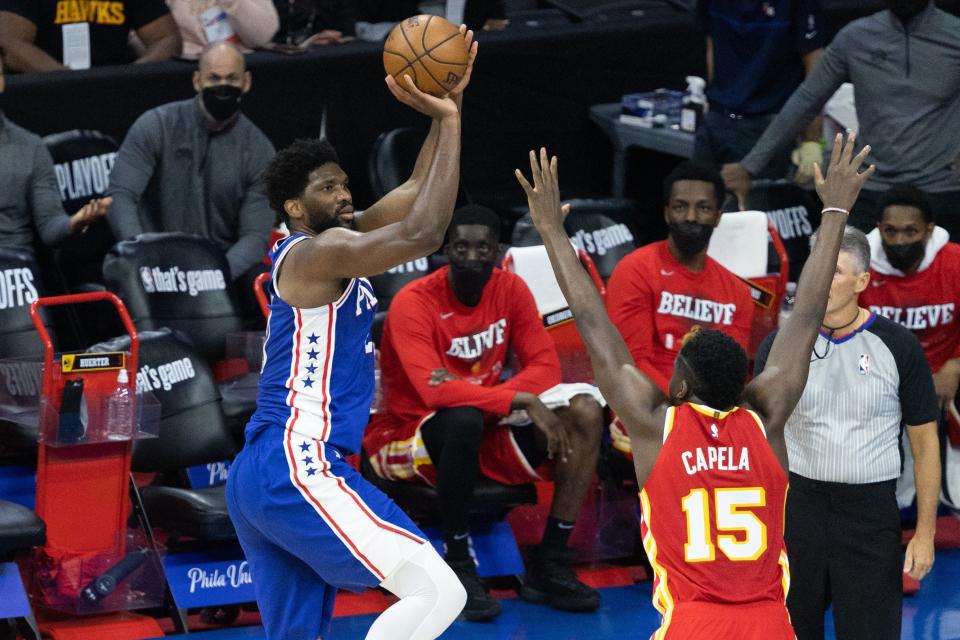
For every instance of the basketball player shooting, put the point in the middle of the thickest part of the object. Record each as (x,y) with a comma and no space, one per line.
(307,521)
(711,460)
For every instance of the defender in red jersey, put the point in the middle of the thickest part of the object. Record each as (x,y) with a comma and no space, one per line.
(711,459)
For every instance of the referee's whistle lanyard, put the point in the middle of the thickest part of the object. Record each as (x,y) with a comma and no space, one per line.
(830,332)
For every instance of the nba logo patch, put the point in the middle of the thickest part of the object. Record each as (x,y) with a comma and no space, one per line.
(864,364)
(714,431)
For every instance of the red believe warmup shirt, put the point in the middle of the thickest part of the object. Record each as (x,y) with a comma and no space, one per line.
(427,328)
(924,302)
(654,301)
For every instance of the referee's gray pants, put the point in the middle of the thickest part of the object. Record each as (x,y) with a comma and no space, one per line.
(843,541)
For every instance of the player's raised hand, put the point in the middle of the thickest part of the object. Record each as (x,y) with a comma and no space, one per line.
(472,46)
(543,196)
(842,184)
(437,108)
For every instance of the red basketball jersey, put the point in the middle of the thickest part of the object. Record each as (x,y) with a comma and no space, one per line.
(713,510)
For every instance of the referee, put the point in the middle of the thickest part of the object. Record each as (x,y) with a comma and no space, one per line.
(868,377)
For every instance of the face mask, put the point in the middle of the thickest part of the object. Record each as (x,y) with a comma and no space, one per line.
(690,237)
(221,101)
(471,276)
(906,9)
(904,256)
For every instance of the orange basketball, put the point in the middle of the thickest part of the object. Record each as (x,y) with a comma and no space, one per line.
(430,50)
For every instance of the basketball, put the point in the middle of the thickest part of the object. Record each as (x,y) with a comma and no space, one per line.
(430,50)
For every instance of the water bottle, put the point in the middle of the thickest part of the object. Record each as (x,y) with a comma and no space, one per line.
(694,102)
(786,306)
(120,410)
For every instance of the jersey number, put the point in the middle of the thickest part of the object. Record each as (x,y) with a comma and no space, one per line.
(733,515)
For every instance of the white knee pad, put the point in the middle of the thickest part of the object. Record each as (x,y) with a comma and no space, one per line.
(431,598)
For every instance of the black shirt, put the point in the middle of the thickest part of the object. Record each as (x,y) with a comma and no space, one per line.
(110,23)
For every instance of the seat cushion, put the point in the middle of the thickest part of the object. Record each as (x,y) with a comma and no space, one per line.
(491,500)
(193,513)
(20,528)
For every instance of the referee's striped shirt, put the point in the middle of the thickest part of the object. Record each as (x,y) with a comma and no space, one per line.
(860,390)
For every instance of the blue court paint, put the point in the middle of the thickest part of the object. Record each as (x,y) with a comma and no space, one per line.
(932,614)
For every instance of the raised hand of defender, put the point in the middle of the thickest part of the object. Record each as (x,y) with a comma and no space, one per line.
(408,94)
(543,197)
(842,184)
(472,47)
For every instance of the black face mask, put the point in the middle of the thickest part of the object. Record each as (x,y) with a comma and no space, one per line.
(906,9)
(690,237)
(471,276)
(904,256)
(221,101)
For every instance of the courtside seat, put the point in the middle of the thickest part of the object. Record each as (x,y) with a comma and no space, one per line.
(794,212)
(747,243)
(192,432)
(533,266)
(596,226)
(388,284)
(20,529)
(20,285)
(491,500)
(391,161)
(179,281)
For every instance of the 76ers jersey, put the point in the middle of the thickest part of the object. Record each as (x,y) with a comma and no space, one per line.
(713,510)
(317,375)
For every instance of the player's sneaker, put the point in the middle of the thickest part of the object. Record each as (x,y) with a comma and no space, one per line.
(550,580)
(480,606)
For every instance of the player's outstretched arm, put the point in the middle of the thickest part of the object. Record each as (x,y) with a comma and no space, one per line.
(397,203)
(634,396)
(340,253)
(776,391)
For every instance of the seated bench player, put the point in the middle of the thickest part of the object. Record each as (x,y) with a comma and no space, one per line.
(662,290)
(444,353)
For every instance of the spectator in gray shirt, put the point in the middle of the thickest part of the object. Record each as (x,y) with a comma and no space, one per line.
(29,195)
(194,166)
(905,67)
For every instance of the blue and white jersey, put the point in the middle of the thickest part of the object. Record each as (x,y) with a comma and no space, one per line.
(317,375)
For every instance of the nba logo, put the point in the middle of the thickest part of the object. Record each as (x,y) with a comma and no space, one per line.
(864,364)
(146,277)
(714,431)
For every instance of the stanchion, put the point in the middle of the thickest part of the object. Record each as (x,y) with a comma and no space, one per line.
(92,565)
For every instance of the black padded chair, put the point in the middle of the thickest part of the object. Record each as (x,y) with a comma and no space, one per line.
(179,281)
(391,161)
(20,530)
(83,160)
(386,285)
(793,211)
(192,432)
(599,226)
(491,500)
(20,285)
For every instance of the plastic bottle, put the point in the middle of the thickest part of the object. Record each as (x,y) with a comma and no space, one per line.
(120,410)
(786,306)
(693,104)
